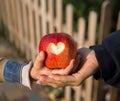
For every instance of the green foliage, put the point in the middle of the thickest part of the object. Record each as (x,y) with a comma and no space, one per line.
(83,7)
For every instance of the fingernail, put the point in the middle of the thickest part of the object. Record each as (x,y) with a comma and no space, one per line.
(50,76)
(38,77)
(38,82)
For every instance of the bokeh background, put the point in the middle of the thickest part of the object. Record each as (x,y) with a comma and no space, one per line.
(24,22)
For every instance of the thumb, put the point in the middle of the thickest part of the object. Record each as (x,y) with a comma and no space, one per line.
(39,62)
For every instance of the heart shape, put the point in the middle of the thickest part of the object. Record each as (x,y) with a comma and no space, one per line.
(56,49)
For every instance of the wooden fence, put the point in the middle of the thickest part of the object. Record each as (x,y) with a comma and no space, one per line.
(28,20)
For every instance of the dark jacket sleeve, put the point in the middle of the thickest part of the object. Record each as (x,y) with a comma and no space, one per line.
(108,57)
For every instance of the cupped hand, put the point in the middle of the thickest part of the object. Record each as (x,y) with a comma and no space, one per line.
(87,67)
(40,69)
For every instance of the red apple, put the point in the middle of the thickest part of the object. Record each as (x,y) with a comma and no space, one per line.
(60,48)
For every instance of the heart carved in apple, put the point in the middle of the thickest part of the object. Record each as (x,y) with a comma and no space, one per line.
(56,49)
(60,48)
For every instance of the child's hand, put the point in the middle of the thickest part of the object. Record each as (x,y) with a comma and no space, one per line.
(40,69)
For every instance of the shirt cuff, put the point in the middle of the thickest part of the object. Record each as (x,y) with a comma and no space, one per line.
(12,71)
(105,61)
(25,78)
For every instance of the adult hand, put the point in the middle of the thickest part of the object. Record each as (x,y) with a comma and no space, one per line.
(87,67)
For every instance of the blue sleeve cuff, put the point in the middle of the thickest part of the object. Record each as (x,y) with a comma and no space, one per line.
(12,71)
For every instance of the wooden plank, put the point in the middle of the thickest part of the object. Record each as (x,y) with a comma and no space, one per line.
(69,19)
(43,17)
(17,41)
(81,32)
(14,23)
(118,22)
(31,30)
(113,94)
(2,8)
(11,24)
(92,25)
(100,93)
(8,16)
(51,16)
(4,13)
(20,29)
(88,89)
(78,93)
(37,25)
(0,11)
(95,90)
(68,93)
(25,35)
(58,15)
(105,19)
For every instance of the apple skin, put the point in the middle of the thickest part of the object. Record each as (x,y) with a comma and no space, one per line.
(66,51)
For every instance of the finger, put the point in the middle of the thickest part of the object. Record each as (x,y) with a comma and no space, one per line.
(63,80)
(68,80)
(48,83)
(65,71)
(76,63)
(57,81)
(45,80)
(70,67)
(39,62)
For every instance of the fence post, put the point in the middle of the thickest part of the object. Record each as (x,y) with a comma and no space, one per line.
(3,11)
(81,32)
(25,34)
(105,19)
(14,23)
(92,25)
(20,30)
(43,17)
(7,20)
(10,19)
(51,16)
(31,28)
(69,19)
(17,25)
(59,15)
(17,42)
(88,89)
(118,22)
(0,11)
(68,93)
(113,92)
(78,93)
(37,25)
